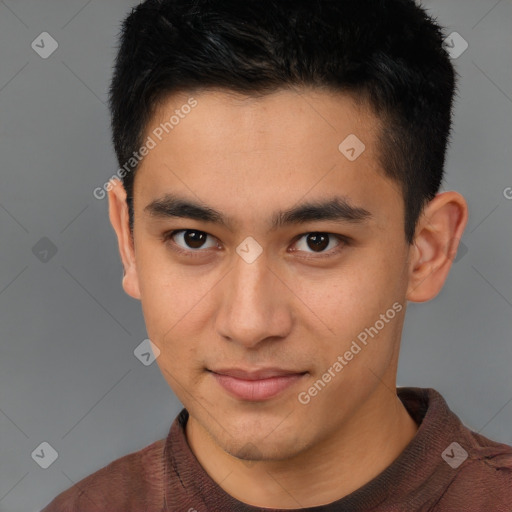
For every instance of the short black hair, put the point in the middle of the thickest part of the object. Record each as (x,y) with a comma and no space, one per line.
(386,53)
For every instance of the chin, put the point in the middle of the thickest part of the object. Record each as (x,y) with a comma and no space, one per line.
(266,451)
(261,442)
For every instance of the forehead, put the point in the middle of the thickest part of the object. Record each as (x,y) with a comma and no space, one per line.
(253,152)
(222,120)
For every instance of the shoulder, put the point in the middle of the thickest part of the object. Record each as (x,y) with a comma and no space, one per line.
(132,482)
(484,480)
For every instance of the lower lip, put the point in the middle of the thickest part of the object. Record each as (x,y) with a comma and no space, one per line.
(256,390)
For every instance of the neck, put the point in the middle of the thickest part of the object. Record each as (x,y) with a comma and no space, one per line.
(343,462)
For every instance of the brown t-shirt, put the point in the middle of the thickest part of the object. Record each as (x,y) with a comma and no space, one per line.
(445,467)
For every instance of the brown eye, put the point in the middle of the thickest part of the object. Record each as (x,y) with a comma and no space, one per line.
(317,242)
(194,239)
(190,239)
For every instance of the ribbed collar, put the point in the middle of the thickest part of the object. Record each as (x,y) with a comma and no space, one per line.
(417,478)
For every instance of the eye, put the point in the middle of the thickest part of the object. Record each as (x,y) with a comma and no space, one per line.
(318,242)
(193,243)
(189,240)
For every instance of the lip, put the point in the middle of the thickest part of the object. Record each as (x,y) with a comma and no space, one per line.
(256,385)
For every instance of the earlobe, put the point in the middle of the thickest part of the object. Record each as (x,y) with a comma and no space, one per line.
(119,218)
(438,233)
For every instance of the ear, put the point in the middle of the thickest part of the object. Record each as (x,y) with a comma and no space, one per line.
(119,218)
(436,240)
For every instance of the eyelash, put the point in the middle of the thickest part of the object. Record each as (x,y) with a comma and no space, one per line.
(167,238)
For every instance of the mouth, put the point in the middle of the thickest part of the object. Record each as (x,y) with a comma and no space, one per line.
(256,385)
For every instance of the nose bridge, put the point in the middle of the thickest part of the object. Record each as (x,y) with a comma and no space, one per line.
(252,303)
(249,284)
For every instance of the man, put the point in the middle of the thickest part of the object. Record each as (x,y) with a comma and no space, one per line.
(277,206)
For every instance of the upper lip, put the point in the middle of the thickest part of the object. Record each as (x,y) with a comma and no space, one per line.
(262,373)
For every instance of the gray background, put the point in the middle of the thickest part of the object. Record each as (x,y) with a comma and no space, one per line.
(68,374)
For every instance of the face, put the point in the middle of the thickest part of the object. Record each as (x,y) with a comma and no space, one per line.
(293,255)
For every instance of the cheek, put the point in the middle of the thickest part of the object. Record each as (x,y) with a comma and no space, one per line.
(161,291)
(173,298)
(346,303)
(351,291)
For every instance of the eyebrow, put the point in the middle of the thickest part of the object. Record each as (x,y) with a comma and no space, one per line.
(337,209)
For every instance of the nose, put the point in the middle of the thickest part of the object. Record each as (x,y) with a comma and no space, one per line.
(256,304)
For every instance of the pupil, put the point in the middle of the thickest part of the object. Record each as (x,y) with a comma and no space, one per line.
(194,239)
(319,241)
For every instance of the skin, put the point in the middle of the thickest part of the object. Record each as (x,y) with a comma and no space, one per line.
(291,308)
